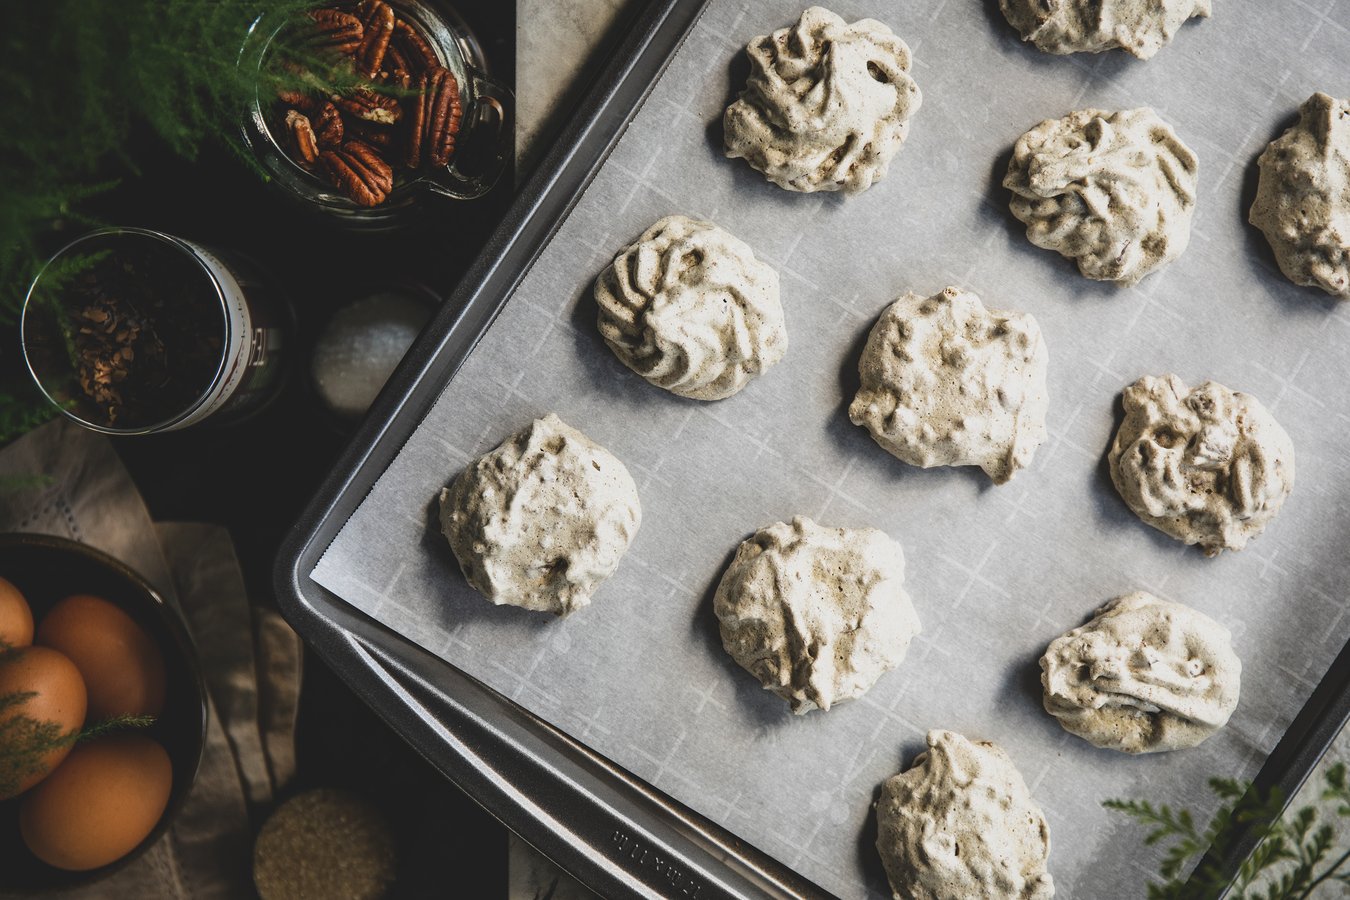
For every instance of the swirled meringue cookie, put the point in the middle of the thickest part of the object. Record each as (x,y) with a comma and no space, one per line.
(946,382)
(543,519)
(827,104)
(1303,199)
(816,614)
(960,823)
(1141,27)
(1208,466)
(689,308)
(1113,190)
(1143,676)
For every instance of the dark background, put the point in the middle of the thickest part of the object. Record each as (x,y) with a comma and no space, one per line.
(255,477)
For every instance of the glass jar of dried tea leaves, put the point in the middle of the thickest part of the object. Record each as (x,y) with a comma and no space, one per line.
(132,331)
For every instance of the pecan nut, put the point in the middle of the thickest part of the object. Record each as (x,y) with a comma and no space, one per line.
(369,106)
(396,70)
(381,139)
(359,172)
(415,48)
(440,114)
(303,139)
(377,19)
(297,99)
(336,32)
(328,128)
(416,126)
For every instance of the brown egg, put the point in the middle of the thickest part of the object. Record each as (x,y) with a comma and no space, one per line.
(100,804)
(123,669)
(53,713)
(16,619)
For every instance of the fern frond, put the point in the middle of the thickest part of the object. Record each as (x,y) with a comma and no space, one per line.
(1289,853)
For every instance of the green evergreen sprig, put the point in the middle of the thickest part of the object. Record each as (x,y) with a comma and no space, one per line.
(1290,861)
(25,742)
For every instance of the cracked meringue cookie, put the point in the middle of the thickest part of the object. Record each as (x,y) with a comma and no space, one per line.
(543,519)
(1208,466)
(946,382)
(1140,27)
(960,823)
(1303,198)
(689,308)
(816,614)
(1114,191)
(1143,676)
(827,104)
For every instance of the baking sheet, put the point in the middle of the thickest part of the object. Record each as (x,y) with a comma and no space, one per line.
(995,572)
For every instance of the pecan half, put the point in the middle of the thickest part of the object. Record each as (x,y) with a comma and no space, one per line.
(297,99)
(415,48)
(377,18)
(304,141)
(380,138)
(336,32)
(417,123)
(359,172)
(396,70)
(372,107)
(328,127)
(440,116)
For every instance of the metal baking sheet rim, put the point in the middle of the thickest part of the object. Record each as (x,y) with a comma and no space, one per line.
(610,829)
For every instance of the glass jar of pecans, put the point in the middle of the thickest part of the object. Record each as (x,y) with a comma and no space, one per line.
(403,98)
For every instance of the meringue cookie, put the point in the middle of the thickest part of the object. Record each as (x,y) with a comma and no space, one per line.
(1303,199)
(543,519)
(1141,27)
(1208,466)
(946,382)
(827,104)
(1113,190)
(960,823)
(689,308)
(1143,676)
(816,614)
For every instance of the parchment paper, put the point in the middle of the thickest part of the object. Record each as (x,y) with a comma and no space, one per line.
(995,572)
